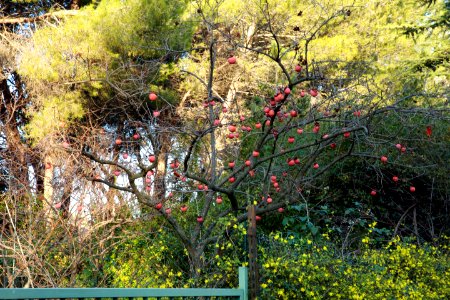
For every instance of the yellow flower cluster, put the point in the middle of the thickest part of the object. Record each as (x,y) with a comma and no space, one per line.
(399,271)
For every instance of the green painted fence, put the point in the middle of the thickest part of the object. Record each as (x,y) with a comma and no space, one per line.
(240,293)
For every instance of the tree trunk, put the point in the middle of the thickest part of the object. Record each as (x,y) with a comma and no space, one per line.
(65,199)
(75,4)
(159,189)
(196,264)
(111,194)
(38,176)
(48,184)
(12,117)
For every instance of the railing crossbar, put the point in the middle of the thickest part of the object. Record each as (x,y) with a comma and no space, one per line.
(128,293)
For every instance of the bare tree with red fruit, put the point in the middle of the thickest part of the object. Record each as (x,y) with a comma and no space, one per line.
(247,146)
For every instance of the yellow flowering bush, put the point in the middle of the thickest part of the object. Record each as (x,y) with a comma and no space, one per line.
(308,270)
(291,267)
(152,261)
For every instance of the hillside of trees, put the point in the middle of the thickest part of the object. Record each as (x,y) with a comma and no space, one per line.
(139,140)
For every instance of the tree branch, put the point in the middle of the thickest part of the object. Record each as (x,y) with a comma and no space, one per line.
(54,14)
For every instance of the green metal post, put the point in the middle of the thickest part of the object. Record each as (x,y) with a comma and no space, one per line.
(243,281)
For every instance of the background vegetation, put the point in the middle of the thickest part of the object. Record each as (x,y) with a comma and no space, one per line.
(101,185)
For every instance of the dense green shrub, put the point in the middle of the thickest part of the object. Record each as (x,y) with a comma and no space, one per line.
(292,267)
(308,270)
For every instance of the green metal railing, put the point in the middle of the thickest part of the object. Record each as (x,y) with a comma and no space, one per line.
(240,293)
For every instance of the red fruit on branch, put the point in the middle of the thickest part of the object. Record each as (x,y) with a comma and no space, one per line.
(316,166)
(395,178)
(219,200)
(116,172)
(269,200)
(232,128)
(298,68)
(125,155)
(384,159)
(291,162)
(258,218)
(255,153)
(258,125)
(136,136)
(251,173)
(281,210)
(313,92)
(429,131)
(183,208)
(158,206)
(287,91)
(373,193)
(302,94)
(279,97)
(346,135)
(248,163)
(118,141)
(333,145)
(291,140)
(168,211)
(152,158)
(156,114)
(200,219)
(299,130)
(232,60)
(231,164)
(412,189)
(152,96)
(293,113)
(398,146)
(231,179)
